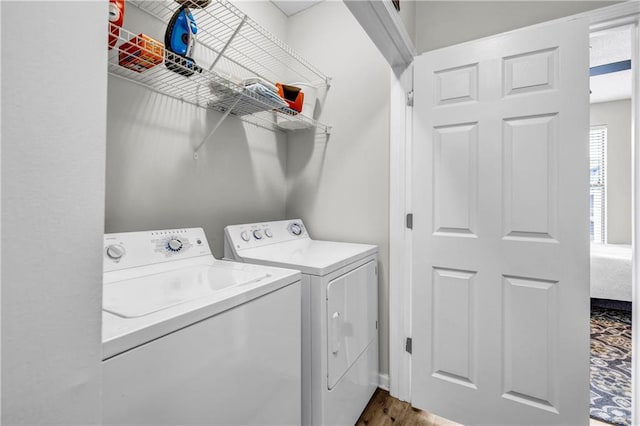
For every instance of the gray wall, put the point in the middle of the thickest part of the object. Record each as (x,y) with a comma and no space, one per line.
(445,23)
(340,187)
(617,117)
(247,174)
(408,16)
(153,181)
(53,155)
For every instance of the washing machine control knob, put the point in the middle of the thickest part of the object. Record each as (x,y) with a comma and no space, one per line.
(268,233)
(257,234)
(174,244)
(115,251)
(295,228)
(245,235)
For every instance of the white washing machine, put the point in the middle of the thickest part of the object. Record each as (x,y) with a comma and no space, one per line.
(191,340)
(339,313)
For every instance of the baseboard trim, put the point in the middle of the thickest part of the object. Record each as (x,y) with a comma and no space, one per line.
(620,305)
(383,381)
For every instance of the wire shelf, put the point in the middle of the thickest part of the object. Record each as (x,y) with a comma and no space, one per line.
(253,49)
(236,48)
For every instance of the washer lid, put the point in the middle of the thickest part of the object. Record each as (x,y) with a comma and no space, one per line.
(144,295)
(141,307)
(311,257)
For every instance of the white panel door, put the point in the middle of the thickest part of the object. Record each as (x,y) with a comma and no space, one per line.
(500,293)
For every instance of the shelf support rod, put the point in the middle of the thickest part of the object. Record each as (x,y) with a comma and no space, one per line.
(244,19)
(225,115)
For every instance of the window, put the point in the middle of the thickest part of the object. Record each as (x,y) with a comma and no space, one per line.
(597,204)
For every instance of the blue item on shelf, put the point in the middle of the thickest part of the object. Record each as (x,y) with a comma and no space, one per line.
(179,41)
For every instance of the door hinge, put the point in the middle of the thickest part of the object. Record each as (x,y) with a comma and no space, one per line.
(410,220)
(408,346)
(410,98)
(376,324)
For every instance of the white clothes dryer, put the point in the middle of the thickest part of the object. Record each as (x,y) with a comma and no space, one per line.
(192,340)
(339,313)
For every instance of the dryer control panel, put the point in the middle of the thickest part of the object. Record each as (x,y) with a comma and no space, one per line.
(253,235)
(134,249)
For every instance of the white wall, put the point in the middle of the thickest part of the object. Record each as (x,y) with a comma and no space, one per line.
(445,23)
(340,187)
(53,154)
(617,117)
(153,181)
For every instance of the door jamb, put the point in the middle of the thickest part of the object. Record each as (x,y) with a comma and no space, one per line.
(400,136)
(635,219)
(400,281)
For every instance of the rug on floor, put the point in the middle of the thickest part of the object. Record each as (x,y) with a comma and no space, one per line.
(611,366)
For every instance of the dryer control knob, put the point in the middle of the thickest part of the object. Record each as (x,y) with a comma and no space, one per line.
(115,251)
(245,235)
(295,229)
(257,235)
(268,233)
(174,244)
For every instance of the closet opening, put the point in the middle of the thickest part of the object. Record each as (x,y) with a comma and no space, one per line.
(610,225)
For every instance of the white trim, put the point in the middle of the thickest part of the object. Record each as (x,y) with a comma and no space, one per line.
(1,232)
(385,28)
(612,16)
(399,197)
(400,129)
(383,381)
(635,220)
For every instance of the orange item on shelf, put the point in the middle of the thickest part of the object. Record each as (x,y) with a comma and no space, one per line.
(141,53)
(116,18)
(292,95)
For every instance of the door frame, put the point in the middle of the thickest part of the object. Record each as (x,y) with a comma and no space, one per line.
(400,203)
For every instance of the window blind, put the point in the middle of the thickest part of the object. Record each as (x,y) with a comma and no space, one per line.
(597,196)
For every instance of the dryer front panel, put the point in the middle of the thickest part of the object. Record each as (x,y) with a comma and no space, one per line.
(352,314)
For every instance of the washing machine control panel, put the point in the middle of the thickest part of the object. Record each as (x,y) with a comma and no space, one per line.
(134,249)
(260,234)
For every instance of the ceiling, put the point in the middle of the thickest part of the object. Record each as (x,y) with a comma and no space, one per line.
(607,47)
(291,7)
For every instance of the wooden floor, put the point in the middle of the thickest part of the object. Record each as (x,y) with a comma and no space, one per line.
(385,410)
